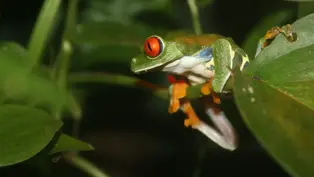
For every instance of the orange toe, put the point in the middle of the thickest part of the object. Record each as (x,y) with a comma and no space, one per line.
(178,92)
(207,87)
(192,119)
(216,98)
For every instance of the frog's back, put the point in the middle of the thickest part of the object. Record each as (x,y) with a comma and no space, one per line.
(191,39)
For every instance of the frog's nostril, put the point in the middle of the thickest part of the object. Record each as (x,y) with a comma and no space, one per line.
(134,60)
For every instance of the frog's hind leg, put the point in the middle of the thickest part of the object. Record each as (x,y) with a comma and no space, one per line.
(223,59)
(225,140)
(222,123)
(225,136)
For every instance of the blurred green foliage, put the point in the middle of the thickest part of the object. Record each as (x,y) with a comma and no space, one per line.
(36,97)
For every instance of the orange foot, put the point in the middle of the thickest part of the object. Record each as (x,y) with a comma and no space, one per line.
(273,32)
(178,92)
(192,119)
(208,89)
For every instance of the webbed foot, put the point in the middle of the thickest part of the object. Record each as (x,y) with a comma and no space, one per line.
(178,91)
(192,119)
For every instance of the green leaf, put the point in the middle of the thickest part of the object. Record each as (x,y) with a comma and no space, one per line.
(24,131)
(18,84)
(122,11)
(282,125)
(203,3)
(275,19)
(281,47)
(68,143)
(276,99)
(105,42)
(300,0)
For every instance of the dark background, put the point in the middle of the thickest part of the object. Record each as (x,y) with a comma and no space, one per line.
(131,130)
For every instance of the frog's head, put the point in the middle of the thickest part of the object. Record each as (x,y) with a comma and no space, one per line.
(156,53)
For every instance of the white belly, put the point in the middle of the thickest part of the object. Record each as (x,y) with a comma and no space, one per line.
(194,69)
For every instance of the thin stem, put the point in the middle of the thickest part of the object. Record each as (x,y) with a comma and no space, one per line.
(84,165)
(64,56)
(63,59)
(200,158)
(195,17)
(127,81)
(42,30)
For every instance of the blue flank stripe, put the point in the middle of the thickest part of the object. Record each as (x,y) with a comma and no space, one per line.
(206,54)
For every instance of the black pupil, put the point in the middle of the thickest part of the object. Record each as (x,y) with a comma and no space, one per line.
(149,47)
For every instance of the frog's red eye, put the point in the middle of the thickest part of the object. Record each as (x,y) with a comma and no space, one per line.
(153,46)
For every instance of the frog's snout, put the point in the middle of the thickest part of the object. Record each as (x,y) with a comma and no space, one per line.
(133,66)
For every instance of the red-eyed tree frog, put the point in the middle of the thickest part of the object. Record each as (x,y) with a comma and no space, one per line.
(204,59)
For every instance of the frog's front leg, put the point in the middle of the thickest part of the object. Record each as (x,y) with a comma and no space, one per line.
(225,59)
(177,91)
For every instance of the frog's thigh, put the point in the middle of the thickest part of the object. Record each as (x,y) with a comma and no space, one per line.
(223,58)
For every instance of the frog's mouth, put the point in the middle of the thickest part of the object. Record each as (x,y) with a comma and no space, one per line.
(156,67)
(146,69)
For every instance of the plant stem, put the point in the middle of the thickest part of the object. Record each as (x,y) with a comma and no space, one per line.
(64,56)
(63,59)
(41,31)
(195,17)
(193,92)
(84,165)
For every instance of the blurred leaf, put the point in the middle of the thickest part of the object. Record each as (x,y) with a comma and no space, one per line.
(276,99)
(24,131)
(108,42)
(18,84)
(203,3)
(121,11)
(127,81)
(116,79)
(275,19)
(68,143)
(305,8)
(112,33)
(300,0)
